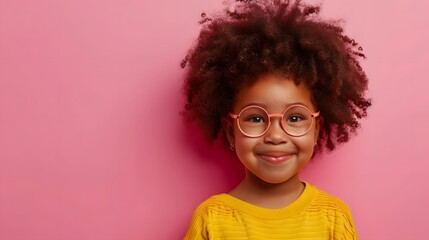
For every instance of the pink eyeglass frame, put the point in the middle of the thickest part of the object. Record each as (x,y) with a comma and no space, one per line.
(280,115)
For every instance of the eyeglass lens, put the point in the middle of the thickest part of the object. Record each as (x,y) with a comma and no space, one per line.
(296,121)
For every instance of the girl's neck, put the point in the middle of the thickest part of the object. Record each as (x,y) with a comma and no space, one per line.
(260,193)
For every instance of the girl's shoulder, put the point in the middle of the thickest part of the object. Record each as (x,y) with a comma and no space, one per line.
(218,202)
(324,201)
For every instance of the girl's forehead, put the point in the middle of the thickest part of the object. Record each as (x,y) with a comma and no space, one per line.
(273,93)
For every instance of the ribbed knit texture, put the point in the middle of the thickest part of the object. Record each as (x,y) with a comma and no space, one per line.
(314,215)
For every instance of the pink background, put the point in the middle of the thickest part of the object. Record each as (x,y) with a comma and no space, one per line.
(82,156)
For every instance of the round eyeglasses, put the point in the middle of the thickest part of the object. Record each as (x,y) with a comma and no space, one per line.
(254,121)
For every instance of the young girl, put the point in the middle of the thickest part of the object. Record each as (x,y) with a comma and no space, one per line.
(277,84)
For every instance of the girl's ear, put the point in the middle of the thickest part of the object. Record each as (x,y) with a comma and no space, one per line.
(317,127)
(228,129)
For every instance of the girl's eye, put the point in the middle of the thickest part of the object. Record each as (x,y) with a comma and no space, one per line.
(255,119)
(295,118)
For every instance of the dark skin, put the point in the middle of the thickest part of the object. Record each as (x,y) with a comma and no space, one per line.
(273,160)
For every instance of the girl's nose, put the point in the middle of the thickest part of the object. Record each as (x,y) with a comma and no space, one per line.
(275,133)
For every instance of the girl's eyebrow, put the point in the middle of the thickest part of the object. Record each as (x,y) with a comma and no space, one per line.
(255,103)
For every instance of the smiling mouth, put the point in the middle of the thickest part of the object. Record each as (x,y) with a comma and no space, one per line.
(275,158)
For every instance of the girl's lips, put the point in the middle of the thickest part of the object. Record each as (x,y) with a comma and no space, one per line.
(275,158)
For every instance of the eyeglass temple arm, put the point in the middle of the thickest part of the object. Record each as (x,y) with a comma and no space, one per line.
(234,116)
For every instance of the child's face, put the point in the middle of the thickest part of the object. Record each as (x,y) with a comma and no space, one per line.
(274,157)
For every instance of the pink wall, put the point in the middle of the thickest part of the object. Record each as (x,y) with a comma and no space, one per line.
(82,158)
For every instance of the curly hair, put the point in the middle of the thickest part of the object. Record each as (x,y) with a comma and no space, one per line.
(254,38)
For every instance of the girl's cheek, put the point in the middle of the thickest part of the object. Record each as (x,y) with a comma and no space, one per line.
(305,143)
(245,142)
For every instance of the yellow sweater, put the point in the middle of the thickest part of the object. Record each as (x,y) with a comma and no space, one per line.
(314,215)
